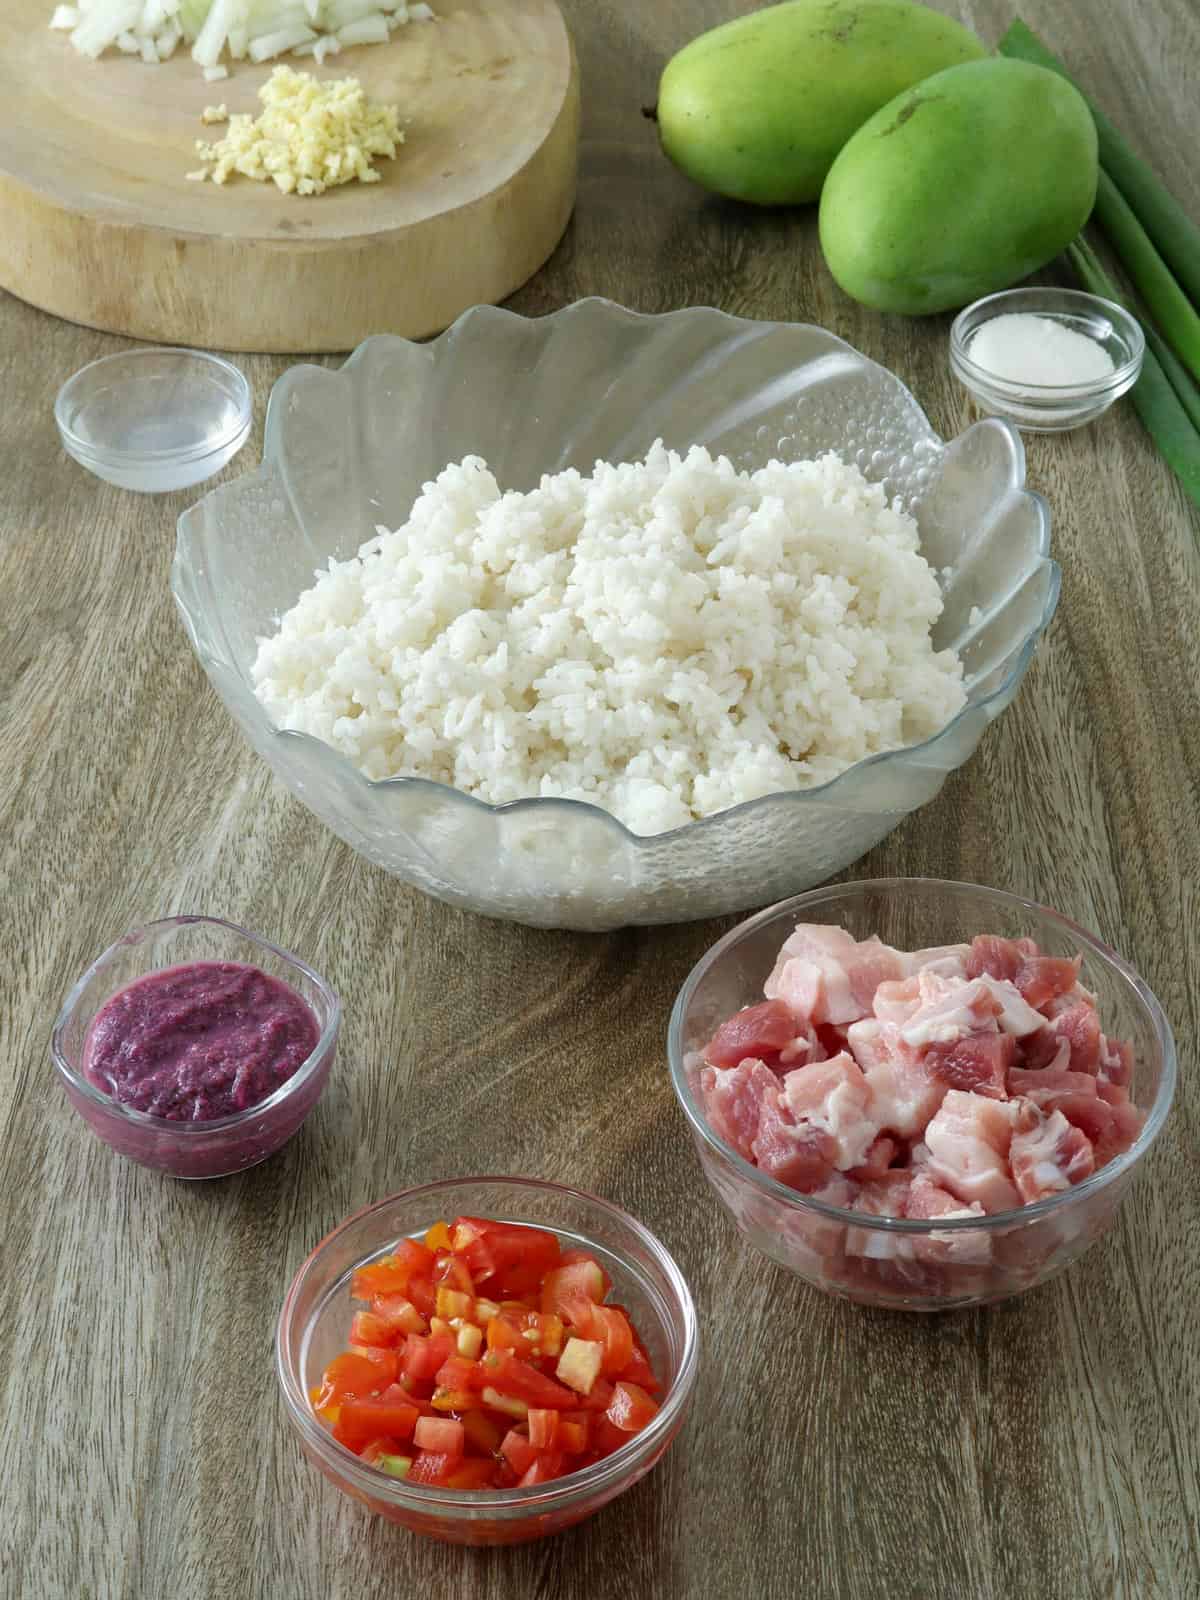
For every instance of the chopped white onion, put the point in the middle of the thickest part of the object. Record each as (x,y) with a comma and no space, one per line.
(369,30)
(267,45)
(64,17)
(215,74)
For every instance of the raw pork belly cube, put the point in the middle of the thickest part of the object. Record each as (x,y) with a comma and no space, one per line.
(1078,1027)
(903,1095)
(825,975)
(757,1033)
(968,1144)
(733,1102)
(1047,1154)
(832,1097)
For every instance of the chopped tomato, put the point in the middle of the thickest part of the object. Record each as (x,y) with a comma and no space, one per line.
(571,1291)
(485,1358)
(504,1256)
(483,1433)
(386,1362)
(611,1328)
(543,1428)
(391,1273)
(631,1408)
(397,1314)
(504,1333)
(518,1451)
(431,1468)
(442,1435)
(361,1421)
(423,1295)
(438,1237)
(452,1272)
(572,1435)
(507,1373)
(367,1328)
(347,1375)
(470,1473)
(424,1354)
(542,1470)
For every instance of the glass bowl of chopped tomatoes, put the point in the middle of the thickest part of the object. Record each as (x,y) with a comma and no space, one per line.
(487,1360)
(919,1094)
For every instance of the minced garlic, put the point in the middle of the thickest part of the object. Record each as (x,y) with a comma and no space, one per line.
(310,136)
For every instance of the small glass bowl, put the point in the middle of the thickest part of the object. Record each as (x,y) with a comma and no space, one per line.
(1050,408)
(314,1324)
(223,1145)
(156,419)
(896,1262)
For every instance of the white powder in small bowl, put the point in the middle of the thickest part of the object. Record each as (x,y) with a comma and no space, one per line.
(1021,348)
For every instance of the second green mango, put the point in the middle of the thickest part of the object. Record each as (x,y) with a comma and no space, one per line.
(758,108)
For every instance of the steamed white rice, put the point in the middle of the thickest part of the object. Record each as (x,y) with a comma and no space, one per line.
(664,638)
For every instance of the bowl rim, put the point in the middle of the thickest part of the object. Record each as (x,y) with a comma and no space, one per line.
(146,1121)
(548,805)
(1156,1114)
(86,453)
(1114,382)
(546,1497)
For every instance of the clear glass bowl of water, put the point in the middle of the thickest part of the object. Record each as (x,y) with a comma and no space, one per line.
(156,419)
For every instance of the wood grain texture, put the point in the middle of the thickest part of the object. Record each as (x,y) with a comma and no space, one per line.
(1044,1450)
(98,223)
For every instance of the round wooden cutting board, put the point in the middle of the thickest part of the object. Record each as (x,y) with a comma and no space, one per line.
(99,224)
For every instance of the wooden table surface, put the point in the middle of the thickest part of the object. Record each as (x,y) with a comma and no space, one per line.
(1049,1448)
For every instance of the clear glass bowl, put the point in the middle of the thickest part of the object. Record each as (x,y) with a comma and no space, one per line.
(315,1319)
(192,1149)
(349,449)
(894,1262)
(155,419)
(1043,407)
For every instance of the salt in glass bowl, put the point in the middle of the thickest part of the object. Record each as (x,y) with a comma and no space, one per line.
(347,450)
(222,1145)
(314,1326)
(155,419)
(896,1262)
(1050,408)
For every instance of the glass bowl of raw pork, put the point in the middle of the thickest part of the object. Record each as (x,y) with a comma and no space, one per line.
(582,752)
(918,1094)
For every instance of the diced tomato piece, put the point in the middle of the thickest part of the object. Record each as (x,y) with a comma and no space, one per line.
(431,1468)
(543,1428)
(424,1354)
(542,1470)
(638,1370)
(441,1435)
(611,1328)
(452,1271)
(387,1455)
(504,1333)
(503,1371)
(597,1399)
(457,1373)
(361,1421)
(483,1432)
(391,1273)
(518,1451)
(386,1362)
(423,1295)
(509,1405)
(631,1408)
(569,1291)
(506,1257)
(398,1314)
(549,1331)
(606,1437)
(349,1375)
(438,1237)
(471,1473)
(757,1032)
(368,1328)
(572,1435)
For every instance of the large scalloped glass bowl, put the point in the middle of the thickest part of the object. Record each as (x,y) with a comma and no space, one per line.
(349,449)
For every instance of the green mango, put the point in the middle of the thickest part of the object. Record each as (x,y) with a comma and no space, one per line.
(960,186)
(758,108)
